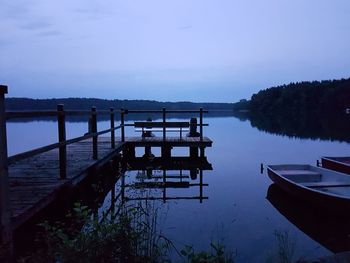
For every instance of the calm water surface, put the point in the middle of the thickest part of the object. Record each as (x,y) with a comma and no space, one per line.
(237,211)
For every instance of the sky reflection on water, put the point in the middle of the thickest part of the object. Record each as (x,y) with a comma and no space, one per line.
(237,211)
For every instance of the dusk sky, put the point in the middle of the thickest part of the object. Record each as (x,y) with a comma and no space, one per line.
(169,50)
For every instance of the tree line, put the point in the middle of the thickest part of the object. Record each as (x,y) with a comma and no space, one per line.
(326,97)
(314,110)
(20,104)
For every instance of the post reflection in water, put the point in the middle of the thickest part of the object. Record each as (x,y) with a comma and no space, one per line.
(160,174)
(328,229)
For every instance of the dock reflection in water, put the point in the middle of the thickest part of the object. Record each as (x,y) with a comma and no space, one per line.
(160,176)
(328,229)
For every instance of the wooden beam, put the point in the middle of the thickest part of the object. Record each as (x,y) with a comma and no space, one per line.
(164,123)
(112,128)
(5,206)
(166,198)
(49,113)
(31,153)
(61,120)
(155,124)
(168,111)
(122,124)
(94,130)
(201,123)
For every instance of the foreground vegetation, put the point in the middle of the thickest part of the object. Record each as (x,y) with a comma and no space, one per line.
(130,236)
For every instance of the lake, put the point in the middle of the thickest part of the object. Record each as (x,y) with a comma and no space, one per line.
(237,211)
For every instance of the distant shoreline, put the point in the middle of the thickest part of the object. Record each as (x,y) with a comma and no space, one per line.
(22,104)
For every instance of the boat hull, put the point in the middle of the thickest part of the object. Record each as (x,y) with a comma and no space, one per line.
(339,164)
(322,199)
(332,232)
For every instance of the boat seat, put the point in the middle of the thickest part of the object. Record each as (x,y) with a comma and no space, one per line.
(326,184)
(297,172)
(301,176)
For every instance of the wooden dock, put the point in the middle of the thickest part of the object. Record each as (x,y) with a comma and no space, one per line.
(32,180)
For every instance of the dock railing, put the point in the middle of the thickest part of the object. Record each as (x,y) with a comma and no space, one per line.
(62,141)
(5,208)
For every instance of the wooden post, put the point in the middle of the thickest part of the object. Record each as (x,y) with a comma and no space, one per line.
(5,206)
(166,151)
(202,151)
(164,120)
(129,152)
(122,124)
(61,120)
(94,130)
(201,186)
(164,186)
(194,152)
(148,152)
(149,173)
(113,200)
(201,130)
(112,128)
(123,187)
(201,123)
(193,173)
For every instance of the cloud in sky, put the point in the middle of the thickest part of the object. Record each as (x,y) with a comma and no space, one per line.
(170,50)
(184,27)
(36,25)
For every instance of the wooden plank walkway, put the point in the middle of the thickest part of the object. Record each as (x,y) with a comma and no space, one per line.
(34,182)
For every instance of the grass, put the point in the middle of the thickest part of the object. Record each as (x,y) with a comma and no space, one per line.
(217,254)
(130,236)
(285,251)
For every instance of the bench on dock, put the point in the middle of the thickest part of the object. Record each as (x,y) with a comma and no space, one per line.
(151,126)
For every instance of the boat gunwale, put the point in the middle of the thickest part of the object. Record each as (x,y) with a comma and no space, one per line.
(336,161)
